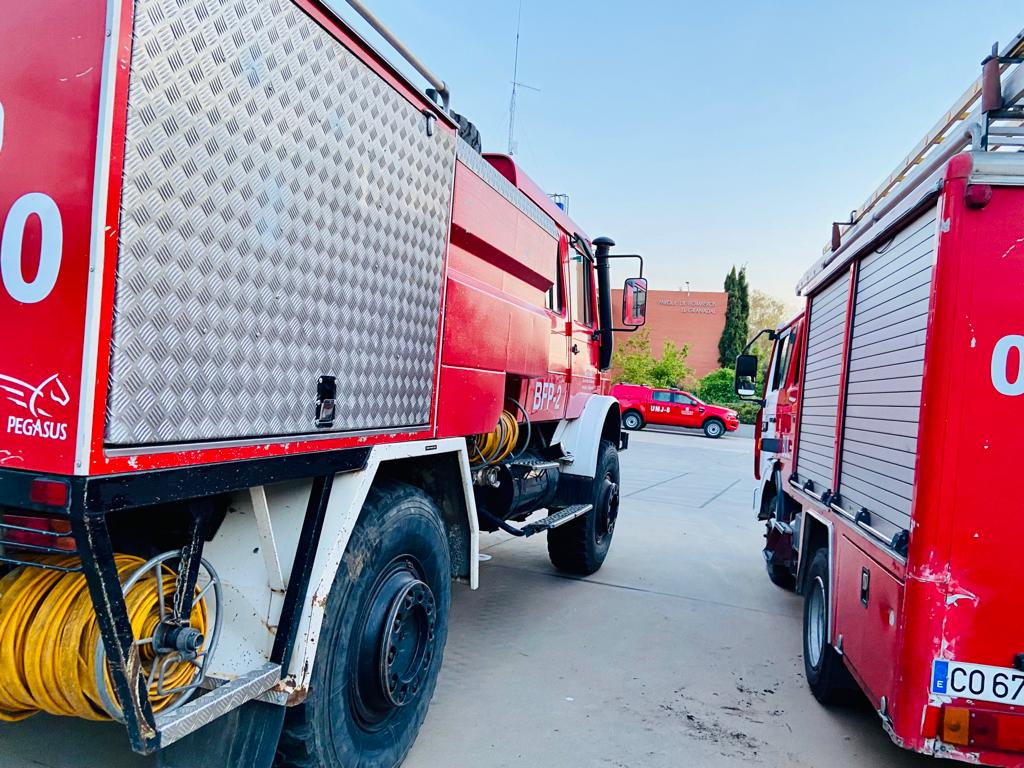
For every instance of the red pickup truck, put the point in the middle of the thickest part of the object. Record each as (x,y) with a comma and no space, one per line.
(645,405)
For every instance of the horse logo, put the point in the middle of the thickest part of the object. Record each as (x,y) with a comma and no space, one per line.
(33,398)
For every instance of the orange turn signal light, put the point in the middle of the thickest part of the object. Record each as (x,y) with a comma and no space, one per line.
(956,725)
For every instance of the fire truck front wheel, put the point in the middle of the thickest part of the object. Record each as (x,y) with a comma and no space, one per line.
(581,546)
(779,573)
(829,680)
(382,640)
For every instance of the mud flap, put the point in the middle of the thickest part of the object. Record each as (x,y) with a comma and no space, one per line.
(246,736)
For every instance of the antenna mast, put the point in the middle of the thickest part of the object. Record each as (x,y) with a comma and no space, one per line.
(516,85)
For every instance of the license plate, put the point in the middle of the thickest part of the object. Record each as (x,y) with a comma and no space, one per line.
(978,681)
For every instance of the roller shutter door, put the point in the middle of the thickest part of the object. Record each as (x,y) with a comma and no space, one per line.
(826,340)
(883,400)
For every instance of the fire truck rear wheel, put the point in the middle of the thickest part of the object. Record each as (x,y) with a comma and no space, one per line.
(581,546)
(382,640)
(827,676)
(632,420)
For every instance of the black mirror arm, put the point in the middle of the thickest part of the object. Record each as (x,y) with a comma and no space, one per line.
(596,335)
(636,256)
(750,399)
(772,336)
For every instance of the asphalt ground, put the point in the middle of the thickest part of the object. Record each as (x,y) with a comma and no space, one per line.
(678,652)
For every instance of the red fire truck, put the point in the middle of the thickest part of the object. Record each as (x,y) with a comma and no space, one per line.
(280,341)
(892,407)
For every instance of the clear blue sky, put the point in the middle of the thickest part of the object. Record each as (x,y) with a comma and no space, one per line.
(706,134)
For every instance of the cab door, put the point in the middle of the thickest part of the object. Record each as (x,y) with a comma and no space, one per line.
(549,395)
(782,389)
(789,391)
(585,377)
(688,411)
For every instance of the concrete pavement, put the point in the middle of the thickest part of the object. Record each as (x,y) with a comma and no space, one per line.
(678,652)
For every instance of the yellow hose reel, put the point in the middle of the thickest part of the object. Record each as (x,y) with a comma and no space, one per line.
(52,658)
(494,446)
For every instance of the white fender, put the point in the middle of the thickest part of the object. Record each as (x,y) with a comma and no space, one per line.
(582,437)
(255,546)
(767,470)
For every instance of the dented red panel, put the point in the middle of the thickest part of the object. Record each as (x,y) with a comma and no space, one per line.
(963,598)
(51,67)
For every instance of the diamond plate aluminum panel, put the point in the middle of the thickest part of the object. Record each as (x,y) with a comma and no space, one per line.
(284,216)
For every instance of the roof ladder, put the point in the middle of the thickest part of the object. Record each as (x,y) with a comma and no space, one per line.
(951,124)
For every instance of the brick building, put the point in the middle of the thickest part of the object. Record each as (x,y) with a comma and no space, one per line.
(695,318)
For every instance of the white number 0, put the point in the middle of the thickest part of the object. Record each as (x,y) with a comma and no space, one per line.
(50,247)
(1000,363)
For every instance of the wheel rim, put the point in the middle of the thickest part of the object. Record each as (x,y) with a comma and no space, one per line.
(816,622)
(607,508)
(632,421)
(396,644)
(714,429)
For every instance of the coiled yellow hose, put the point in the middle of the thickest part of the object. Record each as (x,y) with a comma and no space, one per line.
(49,635)
(493,446)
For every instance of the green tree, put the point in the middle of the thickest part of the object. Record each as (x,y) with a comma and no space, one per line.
(671,370)
(637,364)
(765,312)
(737,311)
(717,387)
(633,359)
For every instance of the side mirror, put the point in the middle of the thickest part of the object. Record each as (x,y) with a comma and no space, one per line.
(746,376)
(634,302)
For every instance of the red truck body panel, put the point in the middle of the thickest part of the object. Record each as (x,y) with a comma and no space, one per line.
(72,167)
(963,571)
(48,162)
(952,594)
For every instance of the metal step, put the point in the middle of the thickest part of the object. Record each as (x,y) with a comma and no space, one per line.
(535,464)
(557,518)
(205,709)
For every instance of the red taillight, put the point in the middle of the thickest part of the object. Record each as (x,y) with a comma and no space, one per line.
(983,729)
(997,730)
(20,530)
(49,493)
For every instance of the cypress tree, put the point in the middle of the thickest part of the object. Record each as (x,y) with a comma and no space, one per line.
(734,334)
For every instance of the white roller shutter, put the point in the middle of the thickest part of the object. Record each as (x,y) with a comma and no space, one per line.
(883,400)
(826,337)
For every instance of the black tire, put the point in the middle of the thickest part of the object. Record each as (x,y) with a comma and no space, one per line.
(780,576)
(580,547)
(714,428)
(827,676)
(778,573)
(392,591)
(468,132)
(633,421)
